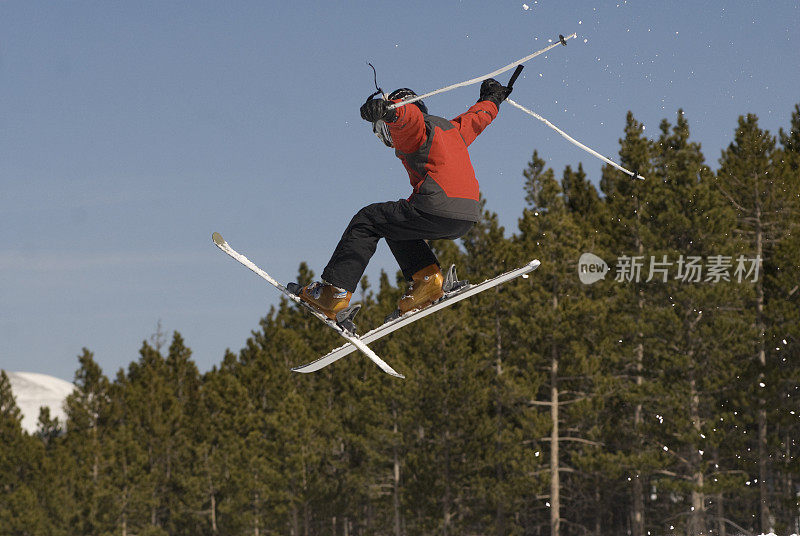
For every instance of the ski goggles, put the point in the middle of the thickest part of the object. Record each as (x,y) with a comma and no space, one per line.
(381,130)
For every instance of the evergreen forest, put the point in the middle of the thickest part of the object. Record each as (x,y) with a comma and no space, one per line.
(660,399)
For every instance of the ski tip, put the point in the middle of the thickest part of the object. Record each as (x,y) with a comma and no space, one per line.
(217,238)
(534,263)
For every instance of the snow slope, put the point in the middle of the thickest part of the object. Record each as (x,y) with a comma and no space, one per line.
(32,390)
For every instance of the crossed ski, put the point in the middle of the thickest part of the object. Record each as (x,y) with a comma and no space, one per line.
(355,342)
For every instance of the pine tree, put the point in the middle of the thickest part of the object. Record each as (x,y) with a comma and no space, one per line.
(582,201)
(159,397)
(377,422)
(561,338)
(508,458)
(784,312)
(755,186)
(597,499)
(87,411)
(626,233)
(20,464)
(221,432)
(370,410)
(288,429)
(51,480)
(443,435)
(699,327)
(185,496)
(126,449)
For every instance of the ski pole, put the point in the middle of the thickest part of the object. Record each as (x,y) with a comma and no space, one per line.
(561,41)
(572,140)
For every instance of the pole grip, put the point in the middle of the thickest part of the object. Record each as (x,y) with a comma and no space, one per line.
(514,76)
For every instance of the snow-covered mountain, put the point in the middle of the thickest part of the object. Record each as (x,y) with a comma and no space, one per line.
(32,390)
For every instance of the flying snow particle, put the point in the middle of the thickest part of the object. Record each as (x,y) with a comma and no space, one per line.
(666,449)
(526,7)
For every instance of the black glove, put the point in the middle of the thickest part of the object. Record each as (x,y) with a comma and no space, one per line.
(377,109)
(494,91)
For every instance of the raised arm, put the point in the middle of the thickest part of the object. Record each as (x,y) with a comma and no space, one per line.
(473,121)
(478,117)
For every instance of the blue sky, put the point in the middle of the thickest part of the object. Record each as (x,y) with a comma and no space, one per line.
(130,131)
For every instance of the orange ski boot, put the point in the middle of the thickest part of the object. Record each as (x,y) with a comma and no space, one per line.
(325,297)
(425,288)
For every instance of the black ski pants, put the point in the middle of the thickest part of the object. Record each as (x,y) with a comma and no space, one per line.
(405,229)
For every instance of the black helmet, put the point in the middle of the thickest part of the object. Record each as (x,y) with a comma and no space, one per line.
(405,93)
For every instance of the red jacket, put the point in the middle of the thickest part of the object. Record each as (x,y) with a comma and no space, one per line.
(434,152)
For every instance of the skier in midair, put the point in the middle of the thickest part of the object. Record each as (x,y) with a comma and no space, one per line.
(444,203)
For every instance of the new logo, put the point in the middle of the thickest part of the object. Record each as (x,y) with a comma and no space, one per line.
(591,268)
